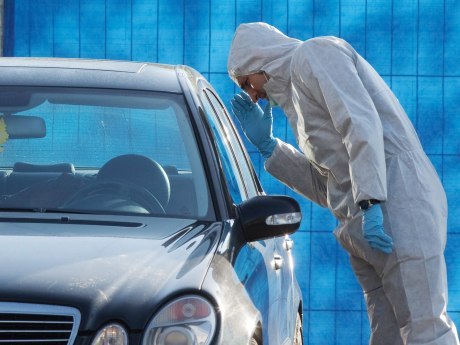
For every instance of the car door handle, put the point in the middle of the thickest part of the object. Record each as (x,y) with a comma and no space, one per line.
(288,244)
(277,262)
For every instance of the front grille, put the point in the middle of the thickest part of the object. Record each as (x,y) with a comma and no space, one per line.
(36,324)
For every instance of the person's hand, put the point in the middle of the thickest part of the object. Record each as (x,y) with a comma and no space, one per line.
(256,124)
(373,229)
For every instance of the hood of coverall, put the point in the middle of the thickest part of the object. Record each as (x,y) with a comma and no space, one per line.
(261,47)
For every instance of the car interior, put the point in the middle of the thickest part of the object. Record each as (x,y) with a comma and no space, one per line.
(126,183)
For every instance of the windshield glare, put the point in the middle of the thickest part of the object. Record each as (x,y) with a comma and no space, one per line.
(99,151)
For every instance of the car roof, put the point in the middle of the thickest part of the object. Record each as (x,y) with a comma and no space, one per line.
(73,72)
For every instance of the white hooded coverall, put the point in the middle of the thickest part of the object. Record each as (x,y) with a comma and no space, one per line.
(357,143)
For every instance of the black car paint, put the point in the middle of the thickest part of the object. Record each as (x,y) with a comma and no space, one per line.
(128,273)
(125,274)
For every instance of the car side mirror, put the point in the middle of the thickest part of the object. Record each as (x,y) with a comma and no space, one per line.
(268,216)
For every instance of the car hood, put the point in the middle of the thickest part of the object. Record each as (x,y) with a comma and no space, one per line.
(108,270)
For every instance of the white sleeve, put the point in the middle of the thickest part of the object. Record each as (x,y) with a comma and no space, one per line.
(332,64)
(292,168)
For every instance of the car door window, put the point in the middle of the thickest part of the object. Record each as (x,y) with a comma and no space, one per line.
(230,168)
(235,144)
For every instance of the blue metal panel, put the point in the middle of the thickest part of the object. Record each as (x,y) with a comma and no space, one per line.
(306,327)
(430,124)
(248,11)
(405,89)
(451,182)
(66,29)
(270,185)
(453,263)
(414,45)
(171,31)
(323,271)
(41,28)
(451,133)
(301,253)
(404,38)
(276,13)
(348,291)
(301,19)
(144,30)
(378,35)
(92,29)
(327,18)
(322,219)
(353,23)
(430,38)
(118,30)
(222,28)
(196,35)
(347,322)
(451,37)
(322,327)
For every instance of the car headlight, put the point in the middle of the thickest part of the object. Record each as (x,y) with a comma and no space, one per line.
(111,334)
(188,320)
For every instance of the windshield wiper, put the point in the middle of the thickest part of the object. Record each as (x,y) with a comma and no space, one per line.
(41,210)
(62,219)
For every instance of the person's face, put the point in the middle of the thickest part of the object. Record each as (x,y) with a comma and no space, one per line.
(253,85)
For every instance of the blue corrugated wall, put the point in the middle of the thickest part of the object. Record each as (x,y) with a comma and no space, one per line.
(414,44)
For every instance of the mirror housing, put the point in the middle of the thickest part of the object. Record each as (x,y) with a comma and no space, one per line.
(269,216)
(24,127)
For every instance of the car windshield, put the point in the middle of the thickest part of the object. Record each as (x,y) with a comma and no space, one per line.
(99,151)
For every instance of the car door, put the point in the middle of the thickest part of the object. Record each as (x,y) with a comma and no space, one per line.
(281,261)
(284,259)
(258,263)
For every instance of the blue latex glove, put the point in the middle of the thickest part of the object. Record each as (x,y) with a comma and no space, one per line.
(256,124)
(373,229)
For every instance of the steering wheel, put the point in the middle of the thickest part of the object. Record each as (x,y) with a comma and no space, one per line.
(139,170)
(115,195)
(129,177)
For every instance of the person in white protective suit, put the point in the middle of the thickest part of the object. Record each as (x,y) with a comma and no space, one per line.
(360,157)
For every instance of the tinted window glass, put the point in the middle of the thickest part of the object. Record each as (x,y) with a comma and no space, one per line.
(85,129)
(234,143)
(234,182)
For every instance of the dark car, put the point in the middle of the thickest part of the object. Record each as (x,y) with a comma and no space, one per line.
(131,214)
